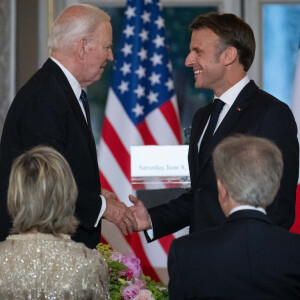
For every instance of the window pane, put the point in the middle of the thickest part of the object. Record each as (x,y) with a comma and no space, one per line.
(281,37)
(177,20)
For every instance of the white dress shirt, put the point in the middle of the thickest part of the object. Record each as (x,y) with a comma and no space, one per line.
(77,91)
(243,207)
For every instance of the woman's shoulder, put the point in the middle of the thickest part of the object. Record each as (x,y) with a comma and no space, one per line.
(55,247)
(81,250)
(59,263)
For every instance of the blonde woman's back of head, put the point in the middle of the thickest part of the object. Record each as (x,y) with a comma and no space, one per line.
(42,193)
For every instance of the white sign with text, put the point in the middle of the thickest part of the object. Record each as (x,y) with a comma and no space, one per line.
(147,161)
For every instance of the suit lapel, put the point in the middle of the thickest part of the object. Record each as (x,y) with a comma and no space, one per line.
(236,110)
(202,119)
(200,122)
(234,113)
(73,102)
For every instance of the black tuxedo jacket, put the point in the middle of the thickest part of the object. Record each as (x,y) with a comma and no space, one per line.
(46,112)
(254,112)
(245,258)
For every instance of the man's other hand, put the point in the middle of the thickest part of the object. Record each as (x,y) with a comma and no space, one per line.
(140,213)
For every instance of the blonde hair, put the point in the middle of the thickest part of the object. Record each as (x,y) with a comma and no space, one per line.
(42,193)
(75,22)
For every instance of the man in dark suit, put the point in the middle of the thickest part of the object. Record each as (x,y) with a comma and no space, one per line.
(222,49)
(247,257)
(51,109)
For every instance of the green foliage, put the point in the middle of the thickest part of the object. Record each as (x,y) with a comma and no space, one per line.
(118,281)
(159,291)
(104,249)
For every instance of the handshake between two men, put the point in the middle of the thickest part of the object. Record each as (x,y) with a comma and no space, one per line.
(128,219)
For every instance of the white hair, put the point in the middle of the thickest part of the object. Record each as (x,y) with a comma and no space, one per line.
(75,22)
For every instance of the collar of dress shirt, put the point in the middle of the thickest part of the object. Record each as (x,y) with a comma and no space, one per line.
(242,207)
(228,98)
(72,80)
(231,94)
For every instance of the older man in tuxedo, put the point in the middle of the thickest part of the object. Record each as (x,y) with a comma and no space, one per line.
(247,257)
(222,49)
(52,109)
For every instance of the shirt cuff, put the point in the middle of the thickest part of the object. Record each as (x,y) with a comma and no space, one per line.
(150,232)
(102,210)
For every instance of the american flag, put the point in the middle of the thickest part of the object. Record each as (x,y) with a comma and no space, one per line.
(141,110)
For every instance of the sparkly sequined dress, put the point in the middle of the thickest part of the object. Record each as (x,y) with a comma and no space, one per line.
(42,266)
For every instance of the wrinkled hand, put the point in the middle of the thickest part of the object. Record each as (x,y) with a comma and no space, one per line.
(108,195)
(119,214)
(140,213)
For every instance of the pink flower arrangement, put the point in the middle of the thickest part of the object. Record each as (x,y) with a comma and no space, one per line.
(132,263)
(130,291)
(126,279)
(144,295)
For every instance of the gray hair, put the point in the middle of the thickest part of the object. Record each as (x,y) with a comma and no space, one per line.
(75,22)
(42,193)
(250,168)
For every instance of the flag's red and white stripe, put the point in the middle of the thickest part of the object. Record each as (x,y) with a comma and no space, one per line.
(161,126)
(141,110)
